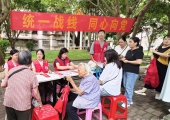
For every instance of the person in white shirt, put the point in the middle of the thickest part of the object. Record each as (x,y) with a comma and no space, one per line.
(122,48)
(111,77)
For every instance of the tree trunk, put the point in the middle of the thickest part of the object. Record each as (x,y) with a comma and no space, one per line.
(12,43)
(4,8)
(169,23)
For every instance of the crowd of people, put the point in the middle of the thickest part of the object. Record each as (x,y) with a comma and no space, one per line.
(120,69)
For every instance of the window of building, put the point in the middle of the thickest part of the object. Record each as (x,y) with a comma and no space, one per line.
(46,43)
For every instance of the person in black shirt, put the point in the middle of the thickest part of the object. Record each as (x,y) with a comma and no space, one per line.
(162,60)
(132,61)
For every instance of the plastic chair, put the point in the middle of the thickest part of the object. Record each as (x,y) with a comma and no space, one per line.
(90,113)
(116,111)
(47,112)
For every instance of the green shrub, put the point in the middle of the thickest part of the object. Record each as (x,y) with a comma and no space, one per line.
(30,45)
(3,46)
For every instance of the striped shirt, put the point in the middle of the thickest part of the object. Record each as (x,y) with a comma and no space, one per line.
(19,87)
(91,96)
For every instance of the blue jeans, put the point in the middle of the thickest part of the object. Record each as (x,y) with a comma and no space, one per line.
(129,80)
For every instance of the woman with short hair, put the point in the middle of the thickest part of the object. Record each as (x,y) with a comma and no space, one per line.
(87,95)
(132,61)
(19,83)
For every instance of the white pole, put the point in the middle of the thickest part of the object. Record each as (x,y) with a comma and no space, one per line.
(84,40)
(65,40)
(68,40)
(81,37)
(73,40)
(51,42)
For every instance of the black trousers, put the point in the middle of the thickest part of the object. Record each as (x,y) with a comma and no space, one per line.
(13,114)
(71,111)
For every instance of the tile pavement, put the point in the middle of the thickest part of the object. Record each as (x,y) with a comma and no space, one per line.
(143,108)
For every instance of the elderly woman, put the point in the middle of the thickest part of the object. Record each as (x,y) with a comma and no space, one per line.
(111,77)
(87,94)
(19,83)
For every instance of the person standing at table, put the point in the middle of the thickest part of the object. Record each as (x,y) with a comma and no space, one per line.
(19,83)
(98,48)
(12,61)
(40,66)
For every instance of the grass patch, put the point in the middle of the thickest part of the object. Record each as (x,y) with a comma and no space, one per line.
(146,53)
(50,55)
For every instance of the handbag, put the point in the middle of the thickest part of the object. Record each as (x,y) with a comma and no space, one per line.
(59,105)
(152,77)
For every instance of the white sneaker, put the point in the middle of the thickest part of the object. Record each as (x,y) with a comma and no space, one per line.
(157,96)
(123,105)
(131,103)
(140,92)
(169,110)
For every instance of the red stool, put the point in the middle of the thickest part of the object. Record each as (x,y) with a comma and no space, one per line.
(116,111)
(47,112)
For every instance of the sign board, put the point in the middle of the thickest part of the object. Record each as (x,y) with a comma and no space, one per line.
(68,22)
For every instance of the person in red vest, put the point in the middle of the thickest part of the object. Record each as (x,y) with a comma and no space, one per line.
(12,61)
(98,48)
(40,66)
(62,62)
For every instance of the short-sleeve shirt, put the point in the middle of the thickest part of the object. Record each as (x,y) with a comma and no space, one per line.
(133,55)
(91,96)
(121,51)
(111,78)
(19,88)
(101,45)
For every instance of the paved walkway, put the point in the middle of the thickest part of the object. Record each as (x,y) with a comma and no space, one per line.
(144,107)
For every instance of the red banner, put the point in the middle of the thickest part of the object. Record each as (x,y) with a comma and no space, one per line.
(68,22)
